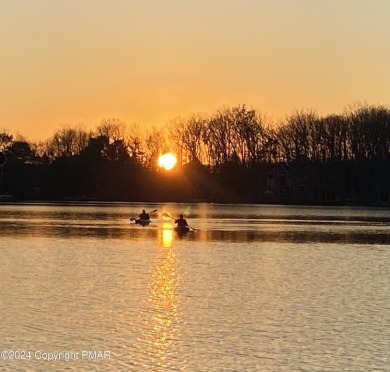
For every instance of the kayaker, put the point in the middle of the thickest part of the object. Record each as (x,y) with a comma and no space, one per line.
(181,221)
(144,216)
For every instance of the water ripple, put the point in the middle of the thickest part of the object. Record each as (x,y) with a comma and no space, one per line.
(259,295)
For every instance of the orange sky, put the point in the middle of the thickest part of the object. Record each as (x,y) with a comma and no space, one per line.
(146,62)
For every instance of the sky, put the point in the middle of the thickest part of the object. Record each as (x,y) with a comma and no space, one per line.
(72,62)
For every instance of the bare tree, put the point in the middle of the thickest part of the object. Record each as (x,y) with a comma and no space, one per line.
(191,137)
(176,138)
(134,140)
(369,130)
(156,144)
(114,129)
(219,137)
(335,137)
(297,136)
(67,141)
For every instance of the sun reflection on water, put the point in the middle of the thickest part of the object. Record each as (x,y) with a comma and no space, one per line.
(162,316)
(167,235)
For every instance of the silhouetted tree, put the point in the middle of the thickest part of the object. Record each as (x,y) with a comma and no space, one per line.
(20,151)
(112,128)
(67,141)
(155,145)
(225,157)
(5,139)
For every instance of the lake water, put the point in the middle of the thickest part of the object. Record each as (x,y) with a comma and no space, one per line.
(249,288)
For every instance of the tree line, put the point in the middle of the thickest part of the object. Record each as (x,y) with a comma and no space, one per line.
(227,156)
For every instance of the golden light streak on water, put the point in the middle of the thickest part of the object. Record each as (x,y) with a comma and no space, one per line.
(167,235)
(162,316)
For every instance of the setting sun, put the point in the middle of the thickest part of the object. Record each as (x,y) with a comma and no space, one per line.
(167,161)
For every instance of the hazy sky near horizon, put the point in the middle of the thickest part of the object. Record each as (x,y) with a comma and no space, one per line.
(146,62)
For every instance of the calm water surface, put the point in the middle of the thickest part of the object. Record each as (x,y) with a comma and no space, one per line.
(250,288)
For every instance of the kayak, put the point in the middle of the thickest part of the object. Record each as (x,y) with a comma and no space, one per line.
(142,222)
(182,229)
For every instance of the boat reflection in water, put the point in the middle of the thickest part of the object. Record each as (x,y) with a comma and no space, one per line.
(162,315)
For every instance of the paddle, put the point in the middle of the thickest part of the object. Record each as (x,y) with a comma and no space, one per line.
(169,216)
(133,219)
